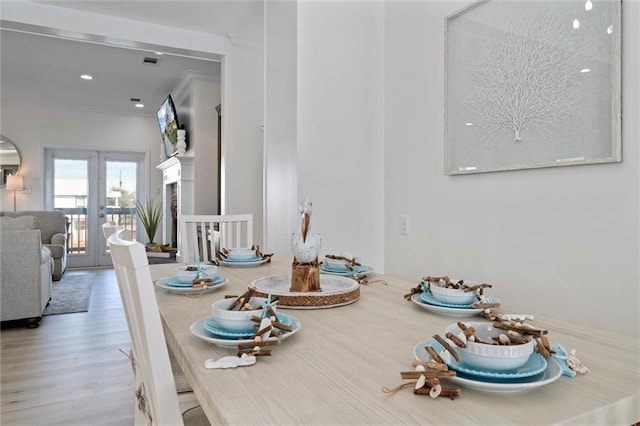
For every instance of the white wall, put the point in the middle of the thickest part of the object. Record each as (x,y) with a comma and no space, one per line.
(280,184)
(559,241)
(31,129)
(242,137)
(341,123)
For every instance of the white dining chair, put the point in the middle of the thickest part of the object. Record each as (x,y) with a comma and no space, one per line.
(182,384)
(202,235)
(157,400)
(109,228)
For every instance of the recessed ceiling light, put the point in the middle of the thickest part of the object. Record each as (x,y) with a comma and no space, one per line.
(576,24)
(86,77)
(159,53)
(583,70)
(139,105)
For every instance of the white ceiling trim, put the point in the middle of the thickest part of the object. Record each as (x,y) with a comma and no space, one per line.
(79,25)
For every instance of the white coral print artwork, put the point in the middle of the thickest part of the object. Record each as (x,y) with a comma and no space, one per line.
(526,78)
(532,84)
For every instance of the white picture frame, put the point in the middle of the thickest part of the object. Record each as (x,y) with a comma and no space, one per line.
(531,84)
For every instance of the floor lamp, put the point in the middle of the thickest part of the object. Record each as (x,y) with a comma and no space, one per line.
(15,183)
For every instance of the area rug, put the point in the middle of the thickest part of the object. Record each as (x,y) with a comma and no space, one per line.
(70,294)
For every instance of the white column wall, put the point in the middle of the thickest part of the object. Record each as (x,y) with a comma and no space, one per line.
(280,185)
(242,137)
(341,123)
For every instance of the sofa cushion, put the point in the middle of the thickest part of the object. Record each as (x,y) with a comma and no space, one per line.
(18,223)
(45,254)
(51,221)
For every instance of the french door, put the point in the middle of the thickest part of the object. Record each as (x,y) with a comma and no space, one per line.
(91,188)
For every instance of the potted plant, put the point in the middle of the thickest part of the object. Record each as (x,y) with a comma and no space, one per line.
(150,215)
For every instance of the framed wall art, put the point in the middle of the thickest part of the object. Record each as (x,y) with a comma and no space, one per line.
(532,84)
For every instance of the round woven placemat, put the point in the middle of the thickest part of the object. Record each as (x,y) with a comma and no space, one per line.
(316,300)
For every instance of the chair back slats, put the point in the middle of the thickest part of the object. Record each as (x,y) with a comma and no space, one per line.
(202,235)
(157,401)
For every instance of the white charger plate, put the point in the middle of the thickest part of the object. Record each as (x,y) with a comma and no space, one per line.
(162,283)
(444,310)
(549,375)
(197,329)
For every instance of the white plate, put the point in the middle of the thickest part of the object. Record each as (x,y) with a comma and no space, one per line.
(197,329)
(357,272)
(175,281)
(162,283)
(278,285)
(453,312)
(212,326)
(550,374)
(243,263)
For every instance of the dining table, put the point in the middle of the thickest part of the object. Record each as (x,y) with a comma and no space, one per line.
(334,369)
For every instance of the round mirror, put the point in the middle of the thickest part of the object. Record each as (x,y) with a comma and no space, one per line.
(10,159)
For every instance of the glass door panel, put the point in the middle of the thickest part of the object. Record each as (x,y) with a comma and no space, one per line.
(120,192)
(91,188)
(71,195)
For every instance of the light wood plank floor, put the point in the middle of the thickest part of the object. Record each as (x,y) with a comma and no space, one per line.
(70,371)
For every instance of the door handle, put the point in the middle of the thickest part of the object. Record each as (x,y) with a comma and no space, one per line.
(101,215)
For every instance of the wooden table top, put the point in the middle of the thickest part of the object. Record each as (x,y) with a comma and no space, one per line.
(333,370)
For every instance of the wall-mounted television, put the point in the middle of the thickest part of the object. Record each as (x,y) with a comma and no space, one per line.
(168,122)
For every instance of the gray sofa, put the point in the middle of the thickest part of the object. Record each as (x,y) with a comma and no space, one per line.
(53,230)
(26,268)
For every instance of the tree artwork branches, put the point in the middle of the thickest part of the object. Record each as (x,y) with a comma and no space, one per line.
(526,78)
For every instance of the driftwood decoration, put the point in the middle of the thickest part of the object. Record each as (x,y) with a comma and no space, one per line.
(305,277)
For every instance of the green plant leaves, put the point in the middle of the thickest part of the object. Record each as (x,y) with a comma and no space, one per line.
(150,215)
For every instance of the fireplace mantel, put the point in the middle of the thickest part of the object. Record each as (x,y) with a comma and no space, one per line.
(178,170)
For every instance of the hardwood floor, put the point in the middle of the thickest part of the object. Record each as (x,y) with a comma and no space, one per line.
(70,371)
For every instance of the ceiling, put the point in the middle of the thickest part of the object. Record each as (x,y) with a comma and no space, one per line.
(41,70)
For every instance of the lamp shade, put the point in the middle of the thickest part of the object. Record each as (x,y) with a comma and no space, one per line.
(15,183)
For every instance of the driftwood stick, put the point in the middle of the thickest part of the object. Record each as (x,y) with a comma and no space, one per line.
(428,374)
(476,287)
(435,355)
(252,345)
(447,346)
(520,329)
(433,365)
(455,339)
(445,392)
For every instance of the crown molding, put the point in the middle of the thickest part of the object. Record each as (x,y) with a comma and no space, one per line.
(244,42)
(190,76)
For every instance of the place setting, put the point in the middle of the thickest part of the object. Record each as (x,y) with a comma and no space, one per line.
(506,355)
(193,279)
(344,266)
(247,323)
(242,257)
(501,356)
(460,298)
